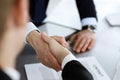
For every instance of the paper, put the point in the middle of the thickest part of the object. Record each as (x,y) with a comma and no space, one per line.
(52,4)
(58,30)
(64,13)
(40,72)
(93,66)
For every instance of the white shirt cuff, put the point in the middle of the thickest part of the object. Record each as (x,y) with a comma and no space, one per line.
(67,59)
(30,27)
(12,73)
(89,21)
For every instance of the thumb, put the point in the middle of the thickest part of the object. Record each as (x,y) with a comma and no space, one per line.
(45,37)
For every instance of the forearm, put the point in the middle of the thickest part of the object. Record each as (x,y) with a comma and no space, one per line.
(61,56)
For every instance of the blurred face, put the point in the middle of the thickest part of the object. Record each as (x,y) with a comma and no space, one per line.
(15,28)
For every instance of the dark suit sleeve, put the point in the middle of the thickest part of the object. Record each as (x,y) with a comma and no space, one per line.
(75,71)
(37,11)
(3,76)
(86,8)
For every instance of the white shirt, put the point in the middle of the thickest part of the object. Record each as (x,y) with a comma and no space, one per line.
(85,21)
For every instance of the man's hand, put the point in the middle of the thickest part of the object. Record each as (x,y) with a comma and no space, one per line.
(60,40)
(44,54)
(58,51)
(83,41)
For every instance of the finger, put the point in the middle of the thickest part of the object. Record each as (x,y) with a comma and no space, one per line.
(45,38)
(60,40)
(77,43)
(91,44)
(85,47)
(81,44)
(73,38)
(57,67)
(53,62)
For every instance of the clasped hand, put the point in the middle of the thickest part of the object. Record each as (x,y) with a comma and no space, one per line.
(45,52)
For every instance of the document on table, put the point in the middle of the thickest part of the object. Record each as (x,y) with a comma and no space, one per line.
(64,13)
(40,72)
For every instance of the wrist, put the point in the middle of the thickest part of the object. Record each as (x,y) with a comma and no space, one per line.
(62,55)
(33,37)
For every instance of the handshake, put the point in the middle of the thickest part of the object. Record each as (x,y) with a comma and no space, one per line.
(54,53)
(51,51)
(59,56)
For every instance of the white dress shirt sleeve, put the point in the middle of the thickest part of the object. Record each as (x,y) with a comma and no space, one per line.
(30,27)
(68,58)
(12,73)
(89,21)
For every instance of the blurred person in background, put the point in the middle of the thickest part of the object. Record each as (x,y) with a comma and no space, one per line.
(13,19)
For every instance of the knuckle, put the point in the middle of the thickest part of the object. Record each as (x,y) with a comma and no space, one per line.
(80,35)
(79,38)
